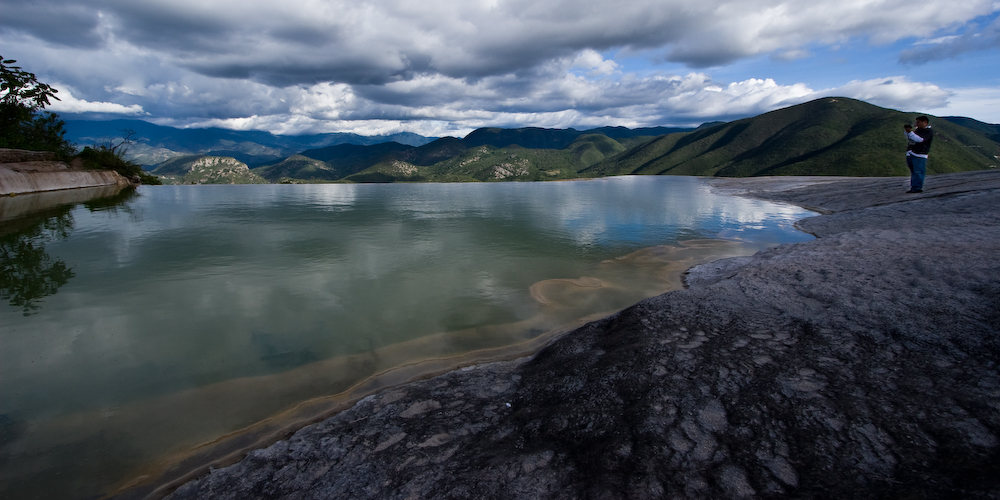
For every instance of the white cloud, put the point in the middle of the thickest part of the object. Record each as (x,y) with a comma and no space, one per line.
(298,124)
(894,92)
(378,41)
(981,103)
(937,41)
(595,63)
(67,103)
(570,101)
(556,101)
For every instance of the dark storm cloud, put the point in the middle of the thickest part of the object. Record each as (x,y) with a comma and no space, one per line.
(70,25)
(298,64)
(304,42)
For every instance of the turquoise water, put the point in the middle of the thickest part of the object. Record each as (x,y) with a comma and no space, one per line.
(163,320)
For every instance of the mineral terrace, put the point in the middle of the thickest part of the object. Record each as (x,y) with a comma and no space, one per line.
(863,364)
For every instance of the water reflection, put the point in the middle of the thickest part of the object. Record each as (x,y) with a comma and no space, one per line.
(197,311)
(27,272)
(29,222)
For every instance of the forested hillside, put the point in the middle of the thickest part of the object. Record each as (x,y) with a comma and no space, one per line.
(831,136)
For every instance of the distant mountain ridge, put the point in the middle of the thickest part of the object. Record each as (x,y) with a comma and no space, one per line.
(555,153)
(332,162)
(829,136)
(157,143)
(546,138)
(484,155)
(992,131)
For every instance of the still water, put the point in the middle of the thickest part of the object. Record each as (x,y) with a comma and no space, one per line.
(135,328)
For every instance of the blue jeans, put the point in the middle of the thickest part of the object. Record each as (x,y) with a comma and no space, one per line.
(918,168)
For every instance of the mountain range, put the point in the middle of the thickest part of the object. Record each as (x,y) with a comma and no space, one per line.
(484,155)
(157,143)
(829,136)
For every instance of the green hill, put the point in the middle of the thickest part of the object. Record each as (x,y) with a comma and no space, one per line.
(527,137)
(489,163)
(349,152)
(592,148)
(347,159)
(554,138)
(442,149)
(391,171)
(201,169)
(176,166)
(830,136)
(992,131)
(512,163)
(624,134)
(298,167)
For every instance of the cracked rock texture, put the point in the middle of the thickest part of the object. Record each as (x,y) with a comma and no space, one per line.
(863,364)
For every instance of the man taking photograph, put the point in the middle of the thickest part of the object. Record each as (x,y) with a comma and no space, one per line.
(917,149)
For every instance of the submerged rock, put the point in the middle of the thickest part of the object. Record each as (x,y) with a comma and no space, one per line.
(863,364)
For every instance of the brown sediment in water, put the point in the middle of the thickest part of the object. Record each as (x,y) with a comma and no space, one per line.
(538,290)
(159,478)
(181,435)
(643,273)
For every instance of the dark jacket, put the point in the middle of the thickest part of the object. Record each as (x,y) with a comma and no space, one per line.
(922,148)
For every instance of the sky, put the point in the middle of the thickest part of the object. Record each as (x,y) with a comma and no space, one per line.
(447,67)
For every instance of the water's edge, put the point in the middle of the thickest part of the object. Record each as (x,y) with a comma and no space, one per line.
(159,479)
(177,470)
(284,402)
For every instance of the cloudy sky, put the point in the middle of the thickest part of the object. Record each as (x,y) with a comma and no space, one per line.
(446,67)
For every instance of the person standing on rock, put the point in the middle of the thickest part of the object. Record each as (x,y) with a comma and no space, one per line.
(918,147)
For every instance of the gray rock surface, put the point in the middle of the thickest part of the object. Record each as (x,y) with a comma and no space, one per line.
(24,171)
(863,364)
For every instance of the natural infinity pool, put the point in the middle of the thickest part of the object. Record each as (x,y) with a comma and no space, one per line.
(134,329)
